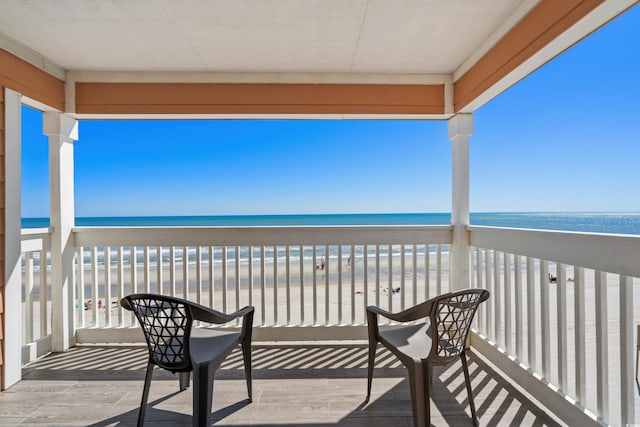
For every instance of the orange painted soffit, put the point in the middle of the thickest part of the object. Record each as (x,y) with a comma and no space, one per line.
(211,98)
(30,81)
(543,24)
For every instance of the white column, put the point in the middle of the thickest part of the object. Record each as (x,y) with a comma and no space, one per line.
(12,240)
(460,130)
(62,130)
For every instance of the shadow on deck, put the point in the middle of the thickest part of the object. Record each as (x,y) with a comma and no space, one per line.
(303,385)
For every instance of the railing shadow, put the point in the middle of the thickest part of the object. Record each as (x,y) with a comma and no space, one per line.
(497,402)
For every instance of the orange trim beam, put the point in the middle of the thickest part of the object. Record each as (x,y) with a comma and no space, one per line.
(31,81)
(213,98)
(543,24)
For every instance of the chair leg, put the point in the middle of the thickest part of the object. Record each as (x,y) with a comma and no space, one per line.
(372,360)
(246,355)
(145,393)
(427,393)
(202,394)
(418,394)
(183,379)
(467,380)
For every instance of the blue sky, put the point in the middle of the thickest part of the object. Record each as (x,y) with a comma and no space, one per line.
(564,139)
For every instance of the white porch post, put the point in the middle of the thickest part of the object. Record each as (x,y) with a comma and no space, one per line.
(12,241)
(460,130)
(62,130)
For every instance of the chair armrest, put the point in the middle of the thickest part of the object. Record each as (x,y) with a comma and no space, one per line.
(209,315)
(372,309)
(413,313)
(247,321)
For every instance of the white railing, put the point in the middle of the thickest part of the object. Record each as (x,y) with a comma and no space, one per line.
(568,339)
(296,277)
(561,317)
(36,291)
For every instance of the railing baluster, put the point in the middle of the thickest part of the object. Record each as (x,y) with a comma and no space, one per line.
(327,319)
(414,276)
(147,270)
(250,275)
(352,266)
(531,315)
(561,289)
(172,271)
(479,284)
(339,284)
(81,283)
(497,306)
(545,311)
(185,272)
(427,271)
(626,351)
(602,345)
(28,298)
(315,284)
(107,284)
(365,267)
(288,282)
(225,279)
(94,284)
(377,290)
(403,290)
(508,342)
(238,284)
(263,285)
(159,270)
(120,270)
(578,292)
(212,276)
(275,284)
(44,330)
(390,276)
(489,304)
(199,274)
(519,308)
(302,301)
(133,262)
(439,269)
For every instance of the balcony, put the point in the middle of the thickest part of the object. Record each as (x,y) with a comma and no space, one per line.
(556,337)
(102,385)
(532,345)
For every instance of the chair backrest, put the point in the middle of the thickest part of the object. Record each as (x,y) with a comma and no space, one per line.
(451,317)
(166,323)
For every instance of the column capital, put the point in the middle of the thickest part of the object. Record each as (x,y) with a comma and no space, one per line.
(460,124)
(54,123)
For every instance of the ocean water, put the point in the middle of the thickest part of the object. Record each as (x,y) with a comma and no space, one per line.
(617,223)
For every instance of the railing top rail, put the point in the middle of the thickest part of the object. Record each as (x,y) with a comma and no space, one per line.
(35,231)
(613,253)
(270,235)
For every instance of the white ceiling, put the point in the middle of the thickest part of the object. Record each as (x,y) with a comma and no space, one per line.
(395,37)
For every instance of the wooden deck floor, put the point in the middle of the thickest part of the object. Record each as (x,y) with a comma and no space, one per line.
(294,385)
